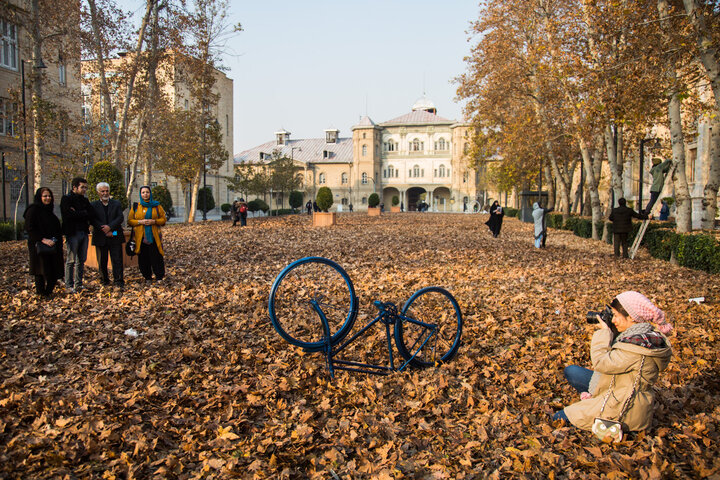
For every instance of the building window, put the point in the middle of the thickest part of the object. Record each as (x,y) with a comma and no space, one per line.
(465,177)
(7,117)
(364,178)
(441,171)
(389,146)
(416,145)
(8,50)
(344,201)
(331,136)
(364,200)
(441,145)
(415,171)
(62,71)
(465,148)
(321,178)
(344,178)
(364,135)
(364,150)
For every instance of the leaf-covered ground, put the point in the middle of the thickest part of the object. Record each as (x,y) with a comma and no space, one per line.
(209,390)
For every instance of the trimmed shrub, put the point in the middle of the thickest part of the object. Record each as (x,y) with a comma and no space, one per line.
(701,252)
(511,212)
(296,199)
(258,204)
(395,200)
(106,172)
(7,231)
(669,200)
(225,207)
(282,211)
(205,200)
(373,200)
(554,220)
(324,198)
(161,194)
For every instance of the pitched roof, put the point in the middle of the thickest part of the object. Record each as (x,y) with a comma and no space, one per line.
(365,121)
(418,117)
(306,151)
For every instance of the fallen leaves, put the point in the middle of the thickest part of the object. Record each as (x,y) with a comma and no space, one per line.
(208,389)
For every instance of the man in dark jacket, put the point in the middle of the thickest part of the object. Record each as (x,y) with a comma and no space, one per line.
(622,216)
(76,211)
(108,235)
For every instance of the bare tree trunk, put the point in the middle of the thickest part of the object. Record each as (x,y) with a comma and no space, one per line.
(195,187)
(134,163)
(709,52)
(592,185)
(683,201)
(709,203)
(613,145)
(38,142)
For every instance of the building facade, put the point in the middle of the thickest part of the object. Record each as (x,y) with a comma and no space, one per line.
(417,157)
(59,76)
(175,91)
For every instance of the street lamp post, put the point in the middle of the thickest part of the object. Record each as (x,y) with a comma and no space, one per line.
(642,165)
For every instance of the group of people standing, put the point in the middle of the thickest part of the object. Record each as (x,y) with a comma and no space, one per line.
(49,262)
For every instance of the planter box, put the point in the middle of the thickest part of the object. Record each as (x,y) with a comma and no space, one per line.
(323,219)
(374,211)
(92,258)
(395,209)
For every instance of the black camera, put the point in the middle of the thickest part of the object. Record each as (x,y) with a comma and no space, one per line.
(606,316)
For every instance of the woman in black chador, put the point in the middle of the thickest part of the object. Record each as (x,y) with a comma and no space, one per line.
(43,226)
(494,223)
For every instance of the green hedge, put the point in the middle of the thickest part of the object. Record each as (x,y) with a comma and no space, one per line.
(7,231)
(511,212)
(282,211)
(699,251)
(258,204)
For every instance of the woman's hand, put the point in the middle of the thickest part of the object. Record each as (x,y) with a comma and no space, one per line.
(48,242)
(600,323)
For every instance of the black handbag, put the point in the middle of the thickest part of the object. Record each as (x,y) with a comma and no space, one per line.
(130,245)
(43,249)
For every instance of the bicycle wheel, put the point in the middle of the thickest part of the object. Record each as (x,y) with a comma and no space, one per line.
(436,306)
(304,282)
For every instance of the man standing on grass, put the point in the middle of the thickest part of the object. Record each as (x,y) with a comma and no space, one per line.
(76,212)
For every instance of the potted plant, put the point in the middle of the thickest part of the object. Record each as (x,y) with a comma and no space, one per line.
(373,202)
(395,207)
(324,200)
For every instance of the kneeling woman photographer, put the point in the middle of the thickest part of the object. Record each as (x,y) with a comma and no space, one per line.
(625,368)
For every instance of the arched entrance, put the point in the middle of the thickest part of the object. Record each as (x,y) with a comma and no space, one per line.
(388,194)
(441,199)
(415,195)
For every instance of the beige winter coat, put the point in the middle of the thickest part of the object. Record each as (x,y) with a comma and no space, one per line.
(622,361)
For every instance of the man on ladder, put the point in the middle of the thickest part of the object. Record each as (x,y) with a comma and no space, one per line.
(659,173)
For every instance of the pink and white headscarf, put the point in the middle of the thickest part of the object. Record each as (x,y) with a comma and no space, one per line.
(641,309)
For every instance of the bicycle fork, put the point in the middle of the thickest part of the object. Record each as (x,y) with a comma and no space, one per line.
(328,339)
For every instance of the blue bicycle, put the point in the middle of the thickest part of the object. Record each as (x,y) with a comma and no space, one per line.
(313,305)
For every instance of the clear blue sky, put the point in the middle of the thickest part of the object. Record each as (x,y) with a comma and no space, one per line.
(309,65)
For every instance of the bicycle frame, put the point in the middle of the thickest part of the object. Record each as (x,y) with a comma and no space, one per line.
(388,315)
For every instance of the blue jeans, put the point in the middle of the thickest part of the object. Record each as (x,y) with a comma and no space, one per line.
(579,378)
(77,246)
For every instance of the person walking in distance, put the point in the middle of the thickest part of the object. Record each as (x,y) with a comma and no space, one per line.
(243,212)
(108,236)
(146,220)
(76,212)
(622,216)
(234,211)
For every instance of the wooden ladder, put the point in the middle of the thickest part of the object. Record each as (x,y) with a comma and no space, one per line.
(638,238)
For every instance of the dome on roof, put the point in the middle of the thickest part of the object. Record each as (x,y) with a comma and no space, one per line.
(425,104)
